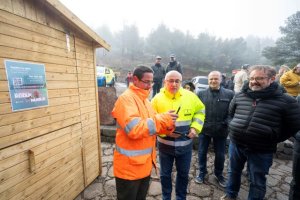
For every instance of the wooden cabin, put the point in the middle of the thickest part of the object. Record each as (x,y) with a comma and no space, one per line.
(50,149)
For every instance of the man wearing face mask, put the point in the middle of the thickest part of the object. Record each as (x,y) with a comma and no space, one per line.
(261,116)
(138,124)
(174,65)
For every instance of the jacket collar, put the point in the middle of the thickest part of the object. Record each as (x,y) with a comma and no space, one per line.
(272,91)
(143,94)
(217,90)
(173,96)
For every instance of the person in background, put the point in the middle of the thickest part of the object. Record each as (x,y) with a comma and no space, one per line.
(291,81)
(223,81)
(262,115)
(230,83)
(129,78)
(138,123)
(240,78)
(178,145)
(295,183)
(159,74)
(188,85)
(281,71)
(216,100)
(174,65)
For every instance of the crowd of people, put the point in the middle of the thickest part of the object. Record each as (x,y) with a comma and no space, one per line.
(257,109)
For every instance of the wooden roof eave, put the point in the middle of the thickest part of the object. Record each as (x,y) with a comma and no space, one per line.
(72,18)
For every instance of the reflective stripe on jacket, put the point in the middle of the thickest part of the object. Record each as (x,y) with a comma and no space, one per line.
(191,114)
(138,124)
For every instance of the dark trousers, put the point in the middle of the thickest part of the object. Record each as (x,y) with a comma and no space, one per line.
(219,149)
(132,189)
(295,184)
(156,87)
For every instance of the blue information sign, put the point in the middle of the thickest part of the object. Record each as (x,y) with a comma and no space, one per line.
(27,84)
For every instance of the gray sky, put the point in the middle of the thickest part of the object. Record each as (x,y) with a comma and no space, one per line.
(221,18)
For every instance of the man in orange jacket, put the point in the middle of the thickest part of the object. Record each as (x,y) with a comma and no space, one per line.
(138,124)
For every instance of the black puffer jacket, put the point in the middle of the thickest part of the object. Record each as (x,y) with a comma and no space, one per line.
(216,111)
(261,119)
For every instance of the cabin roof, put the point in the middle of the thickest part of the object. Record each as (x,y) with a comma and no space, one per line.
(75,21)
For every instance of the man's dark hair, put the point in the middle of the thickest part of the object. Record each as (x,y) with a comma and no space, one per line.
(139,71)
(266,68)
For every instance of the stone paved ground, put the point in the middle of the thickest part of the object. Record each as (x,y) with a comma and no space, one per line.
(103,187)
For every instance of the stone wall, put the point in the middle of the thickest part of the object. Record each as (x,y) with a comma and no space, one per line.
(285,150)
(108,133)
(107,98)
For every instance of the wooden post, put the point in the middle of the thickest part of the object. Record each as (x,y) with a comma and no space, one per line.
(84,166)
(98,118)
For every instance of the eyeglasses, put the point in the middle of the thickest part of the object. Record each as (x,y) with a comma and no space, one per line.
(257,78)
(177,81)
(147,82)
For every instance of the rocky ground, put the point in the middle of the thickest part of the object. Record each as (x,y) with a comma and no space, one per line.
(103,187)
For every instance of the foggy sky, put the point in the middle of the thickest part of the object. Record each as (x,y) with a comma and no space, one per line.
(221,18)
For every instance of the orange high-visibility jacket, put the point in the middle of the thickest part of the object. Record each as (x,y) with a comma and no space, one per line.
(138,124)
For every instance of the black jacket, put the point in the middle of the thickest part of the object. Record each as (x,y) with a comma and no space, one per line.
(175,65)
(261,119)
(158,72)
(216,111)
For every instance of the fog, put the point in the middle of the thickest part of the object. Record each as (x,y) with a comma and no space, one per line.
(226,19)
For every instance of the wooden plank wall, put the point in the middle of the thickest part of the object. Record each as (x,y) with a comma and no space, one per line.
(88,105)
(62,137)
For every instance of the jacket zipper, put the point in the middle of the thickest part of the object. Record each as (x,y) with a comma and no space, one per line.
(254,103)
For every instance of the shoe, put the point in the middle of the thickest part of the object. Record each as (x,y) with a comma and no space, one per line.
(199,180)
(225,197)
(221,180)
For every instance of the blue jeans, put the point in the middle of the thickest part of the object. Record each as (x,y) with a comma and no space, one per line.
(182,162)
(219,149)
(259,165)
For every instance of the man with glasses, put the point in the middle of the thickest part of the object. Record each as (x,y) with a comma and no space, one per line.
(261,116)
(138,124)
(178,145)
